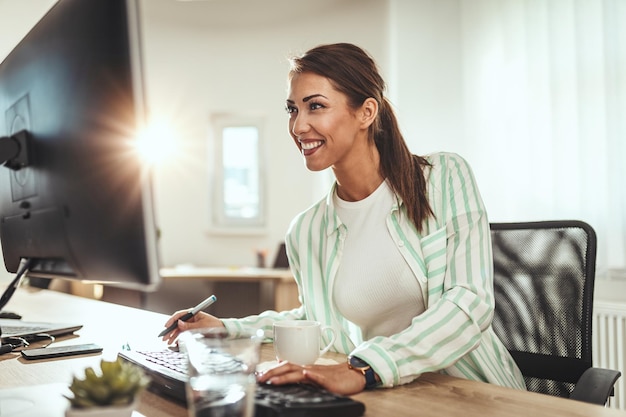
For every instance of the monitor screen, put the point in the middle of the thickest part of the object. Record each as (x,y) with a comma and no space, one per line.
(75,199)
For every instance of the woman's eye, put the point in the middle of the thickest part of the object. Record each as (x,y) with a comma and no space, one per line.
(315,106)
(290,109)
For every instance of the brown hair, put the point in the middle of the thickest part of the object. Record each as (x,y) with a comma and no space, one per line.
(354,73)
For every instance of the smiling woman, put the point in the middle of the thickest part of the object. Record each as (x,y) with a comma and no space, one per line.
(394,257)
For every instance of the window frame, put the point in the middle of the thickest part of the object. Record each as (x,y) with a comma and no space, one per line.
(219,222)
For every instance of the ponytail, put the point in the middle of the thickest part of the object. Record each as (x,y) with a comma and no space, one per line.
(403,170)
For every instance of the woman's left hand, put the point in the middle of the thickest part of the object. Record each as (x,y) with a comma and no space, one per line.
(335,378)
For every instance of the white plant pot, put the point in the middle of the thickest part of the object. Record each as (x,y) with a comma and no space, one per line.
(125,411)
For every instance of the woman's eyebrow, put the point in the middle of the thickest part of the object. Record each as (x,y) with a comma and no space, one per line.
(307,98)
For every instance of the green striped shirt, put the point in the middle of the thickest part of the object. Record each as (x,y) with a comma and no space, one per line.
(452,262)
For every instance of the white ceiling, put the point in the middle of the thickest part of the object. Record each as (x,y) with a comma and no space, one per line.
(241,13)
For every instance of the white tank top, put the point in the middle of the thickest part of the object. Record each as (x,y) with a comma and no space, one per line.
(374,288)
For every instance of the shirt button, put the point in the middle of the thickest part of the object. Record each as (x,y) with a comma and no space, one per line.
(401,243)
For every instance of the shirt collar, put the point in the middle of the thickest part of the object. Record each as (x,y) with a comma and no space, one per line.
(333,222)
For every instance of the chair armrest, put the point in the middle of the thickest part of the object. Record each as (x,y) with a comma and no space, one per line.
(595,385)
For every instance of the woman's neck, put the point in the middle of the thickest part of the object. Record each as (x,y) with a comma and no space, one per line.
(359,181)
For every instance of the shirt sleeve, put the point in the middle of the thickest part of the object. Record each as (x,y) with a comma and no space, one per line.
(263,321)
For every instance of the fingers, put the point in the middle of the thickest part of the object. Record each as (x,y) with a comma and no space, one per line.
(175,317)
(200,320)
(284,373)
(181,327)
(171,337)
(335,378)
(314,377)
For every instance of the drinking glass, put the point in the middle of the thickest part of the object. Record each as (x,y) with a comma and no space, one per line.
(221,369)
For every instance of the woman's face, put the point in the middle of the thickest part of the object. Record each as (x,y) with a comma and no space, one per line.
(321,123)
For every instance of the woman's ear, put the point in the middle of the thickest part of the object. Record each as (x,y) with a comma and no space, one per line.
(368,112)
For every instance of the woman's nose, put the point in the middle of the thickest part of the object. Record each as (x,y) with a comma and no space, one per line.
(299,125)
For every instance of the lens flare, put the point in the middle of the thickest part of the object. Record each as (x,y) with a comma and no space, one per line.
(156,143)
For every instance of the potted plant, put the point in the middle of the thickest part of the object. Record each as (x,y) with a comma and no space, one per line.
(110,391)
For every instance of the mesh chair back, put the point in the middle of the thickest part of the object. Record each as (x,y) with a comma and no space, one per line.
(543,280)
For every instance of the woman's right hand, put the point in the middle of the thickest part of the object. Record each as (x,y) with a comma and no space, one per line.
(198,321)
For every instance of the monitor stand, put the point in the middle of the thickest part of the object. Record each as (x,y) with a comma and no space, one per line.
(8,293)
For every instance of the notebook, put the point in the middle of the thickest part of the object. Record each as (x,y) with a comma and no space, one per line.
(28,329)
(34,401)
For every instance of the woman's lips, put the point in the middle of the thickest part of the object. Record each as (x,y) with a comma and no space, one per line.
(309,147)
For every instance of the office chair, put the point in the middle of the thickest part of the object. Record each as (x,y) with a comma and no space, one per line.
(543,280)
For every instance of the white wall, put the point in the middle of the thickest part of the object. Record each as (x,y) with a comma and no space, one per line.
(17,17)
(425,84)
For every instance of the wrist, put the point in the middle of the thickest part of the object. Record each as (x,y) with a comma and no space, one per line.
(359,365)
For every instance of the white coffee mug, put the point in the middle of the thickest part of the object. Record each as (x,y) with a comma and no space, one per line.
(298,341)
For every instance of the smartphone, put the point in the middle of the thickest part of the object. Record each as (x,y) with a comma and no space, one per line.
(59,351)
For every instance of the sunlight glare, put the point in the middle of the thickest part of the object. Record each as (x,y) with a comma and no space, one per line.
(156,143)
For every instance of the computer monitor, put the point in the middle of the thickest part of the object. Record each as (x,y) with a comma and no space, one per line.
(75,196)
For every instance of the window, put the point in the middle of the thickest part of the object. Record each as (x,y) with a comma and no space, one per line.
(238,184)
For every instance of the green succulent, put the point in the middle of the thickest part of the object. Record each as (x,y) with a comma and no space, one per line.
(115,384)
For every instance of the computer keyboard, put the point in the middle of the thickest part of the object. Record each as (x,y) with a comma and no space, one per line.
(303,400)
(167,369)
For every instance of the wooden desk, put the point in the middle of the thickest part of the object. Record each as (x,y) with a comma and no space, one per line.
(110,325)
(278,284)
